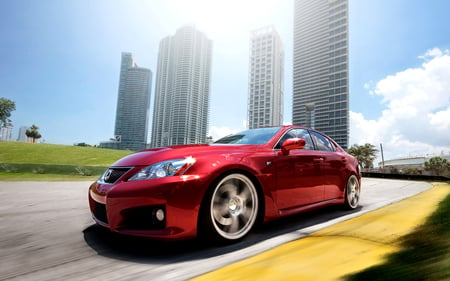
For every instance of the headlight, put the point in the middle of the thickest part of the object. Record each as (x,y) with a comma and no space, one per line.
(163,169)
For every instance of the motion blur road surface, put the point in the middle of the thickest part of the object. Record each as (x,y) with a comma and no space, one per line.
(47,233)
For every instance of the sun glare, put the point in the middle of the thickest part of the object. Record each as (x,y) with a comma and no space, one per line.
(225,17)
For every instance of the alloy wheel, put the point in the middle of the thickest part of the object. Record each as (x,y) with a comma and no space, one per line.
(234,207)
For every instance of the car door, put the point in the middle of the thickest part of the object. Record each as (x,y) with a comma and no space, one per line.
(332,165)
(298,180)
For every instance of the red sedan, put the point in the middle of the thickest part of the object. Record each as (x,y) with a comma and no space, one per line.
(223,189)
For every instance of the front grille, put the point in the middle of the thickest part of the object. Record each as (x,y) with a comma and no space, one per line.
(113,174)
(100,212)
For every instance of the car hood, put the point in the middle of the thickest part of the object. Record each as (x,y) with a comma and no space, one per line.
(151,156)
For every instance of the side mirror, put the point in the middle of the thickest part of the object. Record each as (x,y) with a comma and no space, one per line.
(290,144)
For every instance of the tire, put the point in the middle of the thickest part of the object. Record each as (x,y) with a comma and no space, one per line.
(231,209)
(352,193)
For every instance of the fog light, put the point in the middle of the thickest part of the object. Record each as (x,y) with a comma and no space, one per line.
(159,215)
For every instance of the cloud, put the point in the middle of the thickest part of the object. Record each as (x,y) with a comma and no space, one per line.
(416,120)
(441,120)
(220,132)
(432,53)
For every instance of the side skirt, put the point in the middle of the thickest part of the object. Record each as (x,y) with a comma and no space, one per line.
(310,207)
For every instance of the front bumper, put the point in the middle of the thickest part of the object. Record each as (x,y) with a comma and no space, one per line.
(131,207)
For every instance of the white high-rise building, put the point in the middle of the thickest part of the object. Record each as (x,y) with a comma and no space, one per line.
(320,80)
(6,133)
(180,114)
(266,78)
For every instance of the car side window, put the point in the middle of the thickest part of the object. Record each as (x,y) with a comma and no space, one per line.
(321,142)
(297,133)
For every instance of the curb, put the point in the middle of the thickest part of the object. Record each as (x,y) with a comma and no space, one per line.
(339,250)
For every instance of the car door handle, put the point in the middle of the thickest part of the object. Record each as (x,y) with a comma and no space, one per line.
(318,160)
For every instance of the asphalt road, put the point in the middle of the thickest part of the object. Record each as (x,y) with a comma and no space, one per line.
(46,233)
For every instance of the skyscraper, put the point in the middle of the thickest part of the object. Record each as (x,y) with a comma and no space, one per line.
(266,78)
(320,82)
(133,105)
(6,133)
(180,114)
(22,134)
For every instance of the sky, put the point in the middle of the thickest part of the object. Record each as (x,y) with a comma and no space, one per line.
(60,63)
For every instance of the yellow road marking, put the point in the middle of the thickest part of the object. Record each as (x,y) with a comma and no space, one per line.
(341,249)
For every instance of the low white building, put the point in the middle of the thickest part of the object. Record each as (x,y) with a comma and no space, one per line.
(402,165)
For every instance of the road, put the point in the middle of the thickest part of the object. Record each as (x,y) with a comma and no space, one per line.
(47,233)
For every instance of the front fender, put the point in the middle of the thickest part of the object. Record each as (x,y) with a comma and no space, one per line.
(257,166)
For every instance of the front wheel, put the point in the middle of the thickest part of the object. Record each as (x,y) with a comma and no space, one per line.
(231,209)
(352,193)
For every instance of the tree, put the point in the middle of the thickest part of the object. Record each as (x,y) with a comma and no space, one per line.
(437,165)
(33,133)
(364,153)
(6,107)
(82,144)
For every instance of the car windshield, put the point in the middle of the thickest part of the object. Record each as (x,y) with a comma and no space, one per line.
(253,136)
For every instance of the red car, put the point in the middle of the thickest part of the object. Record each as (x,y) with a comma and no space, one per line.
(222,190)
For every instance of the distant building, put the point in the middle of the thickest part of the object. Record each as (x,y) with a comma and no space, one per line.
(6,133)
(133,105)
(22,137)
(402,165)
(405,163)
(111,144)
(266,78)
(180,114)
(320,77)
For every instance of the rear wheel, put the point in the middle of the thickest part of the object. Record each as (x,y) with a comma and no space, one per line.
(231,208)
(352,193)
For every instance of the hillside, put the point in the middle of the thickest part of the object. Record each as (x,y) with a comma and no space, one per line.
(38,153)
(31,161)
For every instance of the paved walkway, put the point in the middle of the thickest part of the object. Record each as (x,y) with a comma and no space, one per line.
(339,250)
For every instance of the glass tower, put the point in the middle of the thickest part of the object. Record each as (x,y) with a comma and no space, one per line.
(133,105)
(320,82)
(266,79)
(180,114)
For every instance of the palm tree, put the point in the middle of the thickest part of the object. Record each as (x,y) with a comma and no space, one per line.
(33,133)
(437,165)
(364,153)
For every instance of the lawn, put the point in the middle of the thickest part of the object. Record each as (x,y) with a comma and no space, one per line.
(31,161)
(424,254)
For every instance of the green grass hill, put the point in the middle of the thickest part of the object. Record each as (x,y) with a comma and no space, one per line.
(46,161)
